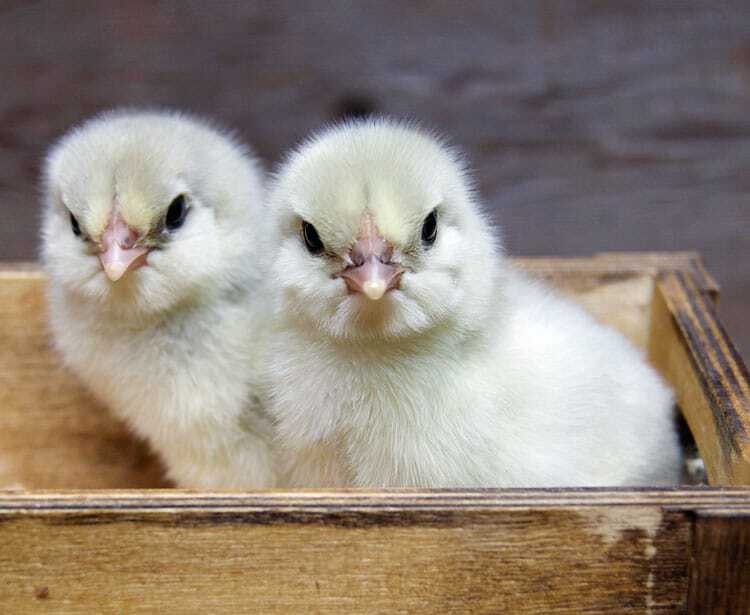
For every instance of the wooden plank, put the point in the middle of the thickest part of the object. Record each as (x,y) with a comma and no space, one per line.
(519,551)
(692,350)
(523,561)
(604,266)
(321,500)
(352,551)
(617,287)
(720,564)
(671,356)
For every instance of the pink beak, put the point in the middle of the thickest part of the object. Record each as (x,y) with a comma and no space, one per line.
(371,272)
(119,254)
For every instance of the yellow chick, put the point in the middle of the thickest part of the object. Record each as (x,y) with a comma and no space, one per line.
(410,353)
(151,234)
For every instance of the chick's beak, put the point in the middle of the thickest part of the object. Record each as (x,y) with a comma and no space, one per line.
(372,273)
(119,254)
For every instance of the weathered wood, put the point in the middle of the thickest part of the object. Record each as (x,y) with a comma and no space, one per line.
(515,551)
(720,564)
(605,266)
(693,352)
(519,551)
(672,358)
(321,500)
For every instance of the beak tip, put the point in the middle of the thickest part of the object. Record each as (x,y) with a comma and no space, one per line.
(374,289)
(114,271)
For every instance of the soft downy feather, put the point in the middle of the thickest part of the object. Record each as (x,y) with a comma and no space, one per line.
(173,347)
(467,373)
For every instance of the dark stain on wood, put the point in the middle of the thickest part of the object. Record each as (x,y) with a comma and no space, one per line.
(710,381)
(669,574)
(713,364)
(618,276)
(41,593)
(704,282)
(628,557)
(525,560)
(333,516)
(727,357)
(720,564)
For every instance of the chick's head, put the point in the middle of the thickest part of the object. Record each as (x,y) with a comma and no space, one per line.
(379,235)
(146,210)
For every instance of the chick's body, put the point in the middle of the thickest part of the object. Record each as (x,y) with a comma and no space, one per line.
(150,240)
(464,372)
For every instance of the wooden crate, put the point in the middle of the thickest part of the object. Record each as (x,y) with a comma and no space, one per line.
(87,525)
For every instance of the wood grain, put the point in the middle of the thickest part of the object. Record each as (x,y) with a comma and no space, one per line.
(720,564)
(519,551)
(356,551)
(711,381)
(668,352)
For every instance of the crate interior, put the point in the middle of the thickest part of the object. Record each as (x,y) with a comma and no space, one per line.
(53,435)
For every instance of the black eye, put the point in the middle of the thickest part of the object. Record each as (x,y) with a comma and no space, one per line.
(75,226)
(429,228)
(176,213)
(312,239)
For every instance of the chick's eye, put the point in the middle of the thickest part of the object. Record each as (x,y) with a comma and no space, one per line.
(312,239)
(429,229)
(75,226)
(176,213)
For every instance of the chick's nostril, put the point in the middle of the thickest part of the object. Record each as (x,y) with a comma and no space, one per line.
(357,257)
(120,233)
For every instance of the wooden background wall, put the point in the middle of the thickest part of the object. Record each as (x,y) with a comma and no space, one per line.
(592,125)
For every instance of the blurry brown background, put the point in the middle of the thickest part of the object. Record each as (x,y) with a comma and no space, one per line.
(591,125)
